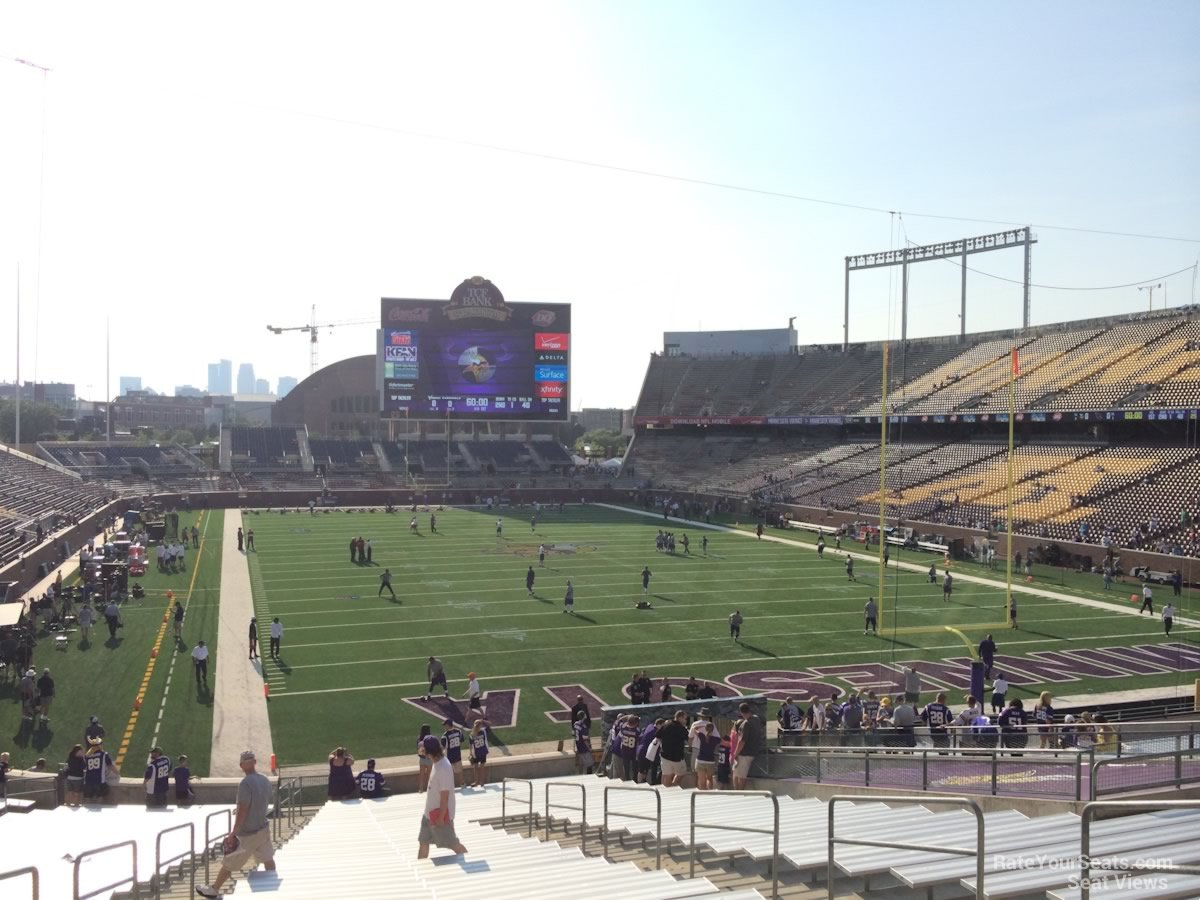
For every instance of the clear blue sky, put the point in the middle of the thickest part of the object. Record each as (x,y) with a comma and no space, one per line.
(211,171)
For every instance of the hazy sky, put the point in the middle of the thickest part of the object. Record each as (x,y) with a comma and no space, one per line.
(214,168)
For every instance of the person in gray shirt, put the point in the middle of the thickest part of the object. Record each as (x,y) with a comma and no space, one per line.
(904,720)
(251,834)
(912,685)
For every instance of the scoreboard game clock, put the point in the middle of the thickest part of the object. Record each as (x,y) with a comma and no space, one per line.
(476,356)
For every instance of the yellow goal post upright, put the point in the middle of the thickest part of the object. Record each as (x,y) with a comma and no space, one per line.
(883,432)
(1012,416)
(885,420)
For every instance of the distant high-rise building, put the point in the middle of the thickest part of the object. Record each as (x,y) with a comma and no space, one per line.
(245,379)
(186,390)
(130,383)
(262,386)
(220,377)
(286,383)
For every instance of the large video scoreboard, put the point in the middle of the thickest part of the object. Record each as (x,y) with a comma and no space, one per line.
(476,356)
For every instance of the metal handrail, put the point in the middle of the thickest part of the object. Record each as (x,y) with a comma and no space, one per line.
(286,792)
(209,840)
(190,853)
(1086,863)
(28,870)
(1182,732)
(774,831)
(132,845)
(582,808)
(504,803)
(1178,781)
(656,818)
(924,757)
(967,802)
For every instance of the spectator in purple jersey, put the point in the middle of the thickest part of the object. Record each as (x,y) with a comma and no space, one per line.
(370,783)
(626,747)
(1014,722)
(724,763)
(479,752)
(157,778)
(452,742)
(708,740)
(98,766)
(581,731)
(937,716)
(1043,714)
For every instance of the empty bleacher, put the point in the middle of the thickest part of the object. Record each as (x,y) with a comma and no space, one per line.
(51,840)
(99,461)
(264,448)
(1152,362)
(367,849)
(358,455)
(32,493)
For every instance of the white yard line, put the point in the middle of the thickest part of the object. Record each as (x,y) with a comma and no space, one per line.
(1023,587)
(175,655)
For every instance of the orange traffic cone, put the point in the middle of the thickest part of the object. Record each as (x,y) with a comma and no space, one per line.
(267,689)
(273,767)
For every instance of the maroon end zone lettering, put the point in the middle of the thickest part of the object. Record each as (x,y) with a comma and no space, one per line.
(500,708)
(867,677)
(1171,657)
(1065,665)
(565,695)
(677,686)
(780,683)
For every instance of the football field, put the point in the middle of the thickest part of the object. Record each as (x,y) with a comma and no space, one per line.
(352,667)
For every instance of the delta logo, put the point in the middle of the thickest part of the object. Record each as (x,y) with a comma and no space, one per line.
(551,390)
(544,341)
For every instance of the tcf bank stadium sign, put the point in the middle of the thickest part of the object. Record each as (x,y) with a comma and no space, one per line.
(477,298)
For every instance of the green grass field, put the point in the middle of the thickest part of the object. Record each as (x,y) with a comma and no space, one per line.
(104,677)
(351,660)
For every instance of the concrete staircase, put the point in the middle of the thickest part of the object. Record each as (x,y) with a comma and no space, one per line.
(177,885)
(728,872)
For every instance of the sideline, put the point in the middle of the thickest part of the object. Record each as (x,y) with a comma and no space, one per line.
(240,719)
(1022,587)
(187,602)
(154,651)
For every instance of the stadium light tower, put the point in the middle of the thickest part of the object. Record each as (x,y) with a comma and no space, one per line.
(1150,288)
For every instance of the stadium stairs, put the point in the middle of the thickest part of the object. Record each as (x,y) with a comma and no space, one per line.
(306,456)
(385,464)
(367,849)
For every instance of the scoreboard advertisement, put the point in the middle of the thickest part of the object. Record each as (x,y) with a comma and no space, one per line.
(476,356)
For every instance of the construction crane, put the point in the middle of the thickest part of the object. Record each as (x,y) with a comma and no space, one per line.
(313,330)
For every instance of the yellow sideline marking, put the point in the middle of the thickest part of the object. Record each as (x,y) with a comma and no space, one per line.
(162,630)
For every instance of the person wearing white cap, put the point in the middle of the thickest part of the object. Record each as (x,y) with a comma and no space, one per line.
(250,837)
